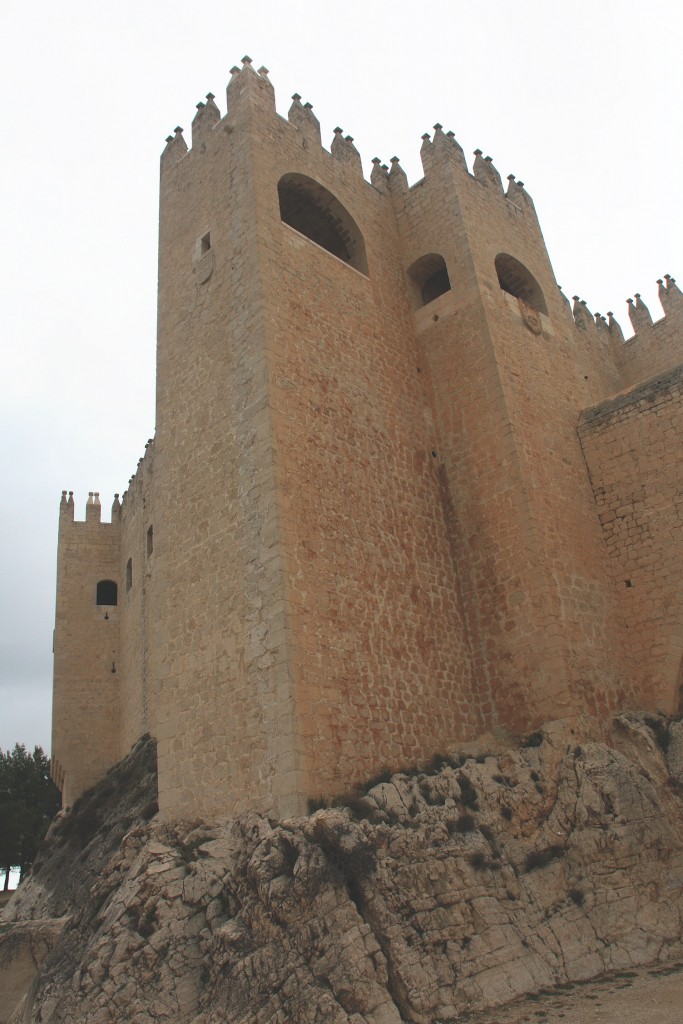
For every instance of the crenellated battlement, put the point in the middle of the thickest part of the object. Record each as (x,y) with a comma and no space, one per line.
(655,346)
(93,509)
(139,479)
(250,90)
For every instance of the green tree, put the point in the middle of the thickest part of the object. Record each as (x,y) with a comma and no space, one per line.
(29,801)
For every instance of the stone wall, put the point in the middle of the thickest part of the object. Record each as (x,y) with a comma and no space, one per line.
(634,450)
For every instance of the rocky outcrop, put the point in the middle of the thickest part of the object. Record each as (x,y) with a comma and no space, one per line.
(436,893)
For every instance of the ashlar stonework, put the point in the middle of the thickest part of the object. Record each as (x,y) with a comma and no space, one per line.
(400,493)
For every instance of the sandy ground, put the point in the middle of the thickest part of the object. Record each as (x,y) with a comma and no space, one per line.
(652,995)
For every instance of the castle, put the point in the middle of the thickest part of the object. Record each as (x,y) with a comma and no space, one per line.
(400,494)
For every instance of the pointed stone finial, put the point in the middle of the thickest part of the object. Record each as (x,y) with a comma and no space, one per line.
(615,330)
(583,318)
(175,150)
(204,120)
(263,72)
(671,297)
(398,180)
(378,175)
(601,323)
(485,171)
(66,507)
(343,149)
(93,508)
(303,118)
(639,314)
(247,61)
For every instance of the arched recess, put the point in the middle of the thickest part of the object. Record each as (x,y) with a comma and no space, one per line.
(514,278)
(428,279)
(309,208)
(107,592)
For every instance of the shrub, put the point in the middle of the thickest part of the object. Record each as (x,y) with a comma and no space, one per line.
(660,728)
(465,823)
(149,810)
(540,858)
(478,860)
(468,793)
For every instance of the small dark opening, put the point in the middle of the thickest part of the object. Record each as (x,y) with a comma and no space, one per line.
(107,592)
(205,243)
(428,278)
(628,583)
(150,541)
(435,285)
(129,574)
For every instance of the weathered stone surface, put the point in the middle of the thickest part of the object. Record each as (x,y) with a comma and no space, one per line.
(437,894)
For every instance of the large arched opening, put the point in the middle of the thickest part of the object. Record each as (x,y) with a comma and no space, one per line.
(515,279)
(309,208)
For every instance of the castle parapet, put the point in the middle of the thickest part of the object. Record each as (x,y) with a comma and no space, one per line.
(656,345)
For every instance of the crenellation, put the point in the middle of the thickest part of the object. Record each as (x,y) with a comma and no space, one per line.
(379,176)
(301,116)
(343,149)
(205,120)
(398,179)
(639,314)
(364,530)
(485,171)
(249,89)
(175,149)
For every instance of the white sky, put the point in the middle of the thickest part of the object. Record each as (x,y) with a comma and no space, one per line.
(581,101)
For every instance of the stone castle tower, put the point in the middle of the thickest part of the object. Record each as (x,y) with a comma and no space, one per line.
(400,493)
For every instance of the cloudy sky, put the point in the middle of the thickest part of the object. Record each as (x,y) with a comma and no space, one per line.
(581,100)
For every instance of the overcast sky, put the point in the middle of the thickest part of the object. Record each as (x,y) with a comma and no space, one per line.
(580,100)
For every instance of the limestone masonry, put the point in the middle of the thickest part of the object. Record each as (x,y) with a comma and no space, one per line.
(401,493)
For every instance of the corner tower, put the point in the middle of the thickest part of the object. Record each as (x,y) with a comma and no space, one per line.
(85,711)
(305,575)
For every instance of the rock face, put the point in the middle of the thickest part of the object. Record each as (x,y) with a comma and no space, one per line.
(438,892)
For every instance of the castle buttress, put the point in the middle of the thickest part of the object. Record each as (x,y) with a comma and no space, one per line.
(401,493)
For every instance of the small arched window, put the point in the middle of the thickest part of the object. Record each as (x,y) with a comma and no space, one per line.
(310,209)
(428,278)
(129,574)
(107,592)
(514,278)
(150,541)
